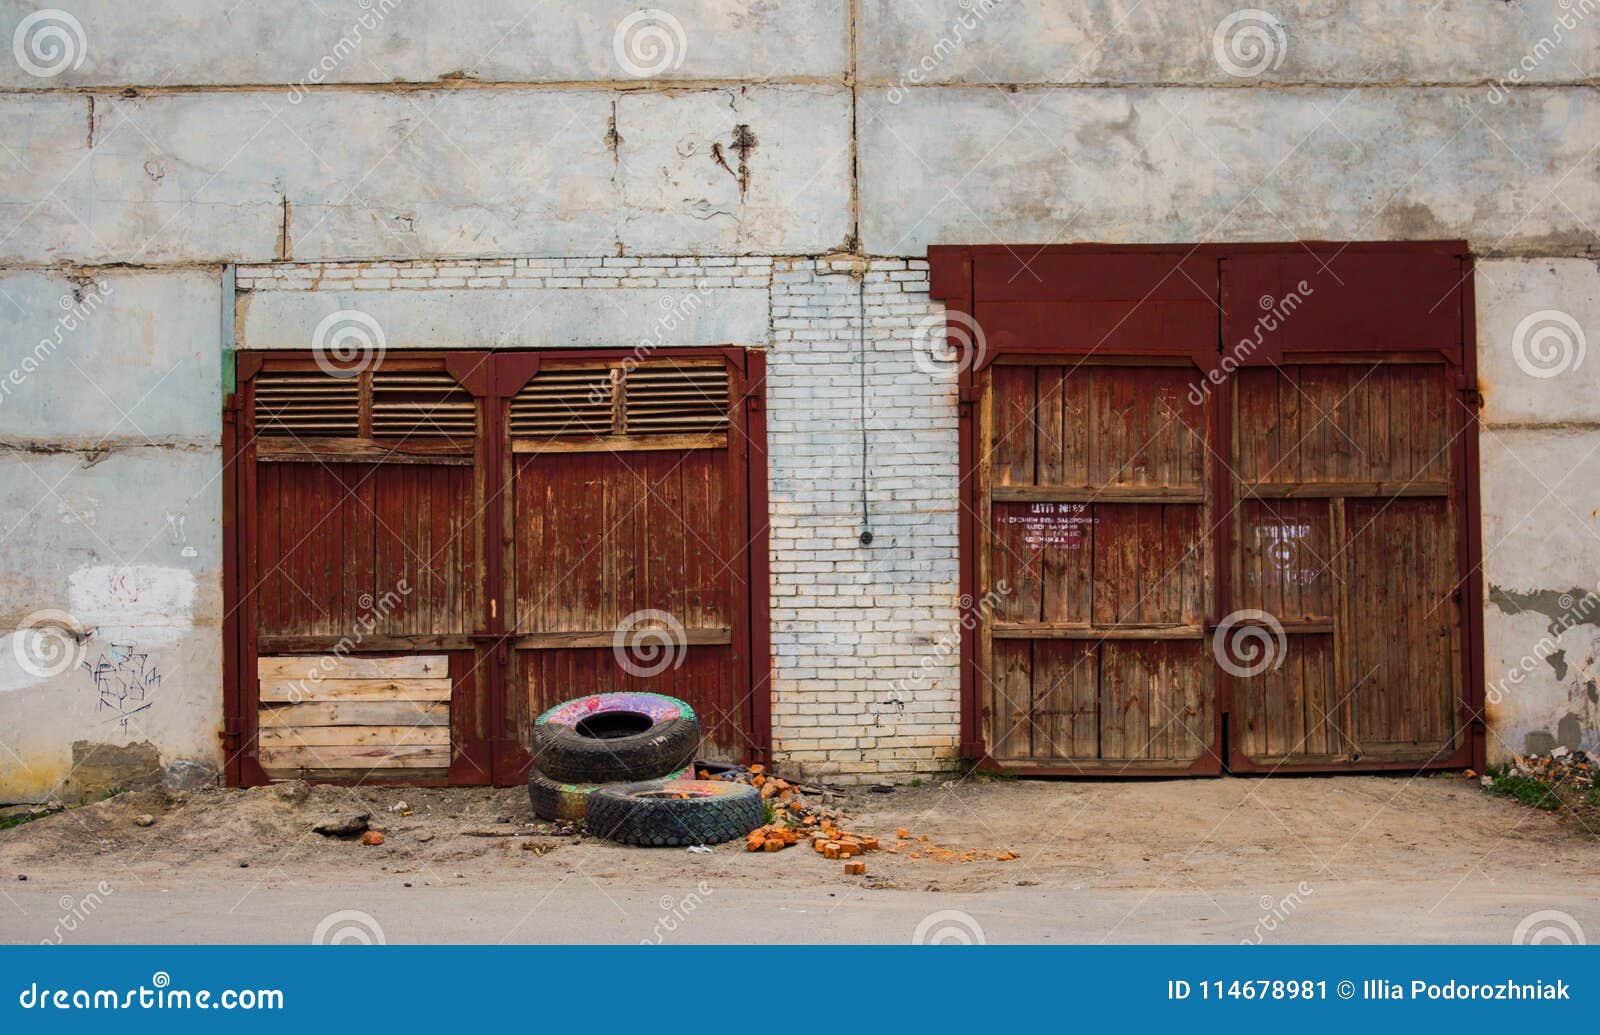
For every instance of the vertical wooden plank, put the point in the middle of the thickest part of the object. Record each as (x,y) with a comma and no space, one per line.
(1012,696)
(1076,427)
(1113,702)
(1049,412)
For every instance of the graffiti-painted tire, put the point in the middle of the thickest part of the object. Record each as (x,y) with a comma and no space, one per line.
(614,738)
(666,813)
(554,800)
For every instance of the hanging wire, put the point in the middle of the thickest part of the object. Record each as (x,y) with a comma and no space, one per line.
(861,339)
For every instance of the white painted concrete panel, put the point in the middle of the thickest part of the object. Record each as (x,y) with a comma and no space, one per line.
(968,166)
(116,355)
(977,42)
(181,42)
(253,177)
(694,182)
(530,318)
(1539,340)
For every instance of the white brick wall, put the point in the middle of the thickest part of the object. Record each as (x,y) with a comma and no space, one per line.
(865,648)
(688,274)
(865,639)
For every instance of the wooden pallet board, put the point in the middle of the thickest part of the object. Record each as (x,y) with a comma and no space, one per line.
(321,713)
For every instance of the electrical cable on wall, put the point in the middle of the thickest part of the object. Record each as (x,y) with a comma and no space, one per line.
(861,338)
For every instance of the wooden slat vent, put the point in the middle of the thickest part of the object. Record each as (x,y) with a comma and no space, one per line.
(307,404)
(408,404)
(675,400)
(616,400)
(566,401)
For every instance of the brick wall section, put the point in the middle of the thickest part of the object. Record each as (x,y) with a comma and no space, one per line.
(588,272)
(865,639)
(865,676)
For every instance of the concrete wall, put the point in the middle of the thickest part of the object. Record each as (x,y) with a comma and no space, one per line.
(110,507)
(489,174)
(1541,501)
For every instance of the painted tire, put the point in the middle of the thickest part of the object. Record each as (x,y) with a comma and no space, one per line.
(614,738)
(564,801)
(665,813)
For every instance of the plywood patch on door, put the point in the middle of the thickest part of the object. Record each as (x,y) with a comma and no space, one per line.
(327,716)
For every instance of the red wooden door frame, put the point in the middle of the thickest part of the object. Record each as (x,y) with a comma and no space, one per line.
(953,280)
(492,378)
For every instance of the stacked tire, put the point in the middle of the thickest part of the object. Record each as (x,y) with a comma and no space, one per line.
(615,762)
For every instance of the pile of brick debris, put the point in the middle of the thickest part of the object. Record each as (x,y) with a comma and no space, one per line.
(797,817)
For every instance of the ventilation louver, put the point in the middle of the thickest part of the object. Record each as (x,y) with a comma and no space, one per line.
(670,399)
(570,401)
(307,404)
(409,404)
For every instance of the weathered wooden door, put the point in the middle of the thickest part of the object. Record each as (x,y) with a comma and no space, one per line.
(1203,536)
(1098,564)
(628,538)
(1350,475)
(429,551)
(358,584)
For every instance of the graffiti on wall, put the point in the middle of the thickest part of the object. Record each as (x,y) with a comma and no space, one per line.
(125,678)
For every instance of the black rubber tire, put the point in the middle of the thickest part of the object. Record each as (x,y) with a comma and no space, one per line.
(648,814)
(556,801)
(565,750)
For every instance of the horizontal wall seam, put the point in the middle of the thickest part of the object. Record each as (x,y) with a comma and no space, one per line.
(101,445)
(841,81)
(1529,425)
(1590,251)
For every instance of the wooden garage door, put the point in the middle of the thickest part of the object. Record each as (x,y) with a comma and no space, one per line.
(1098,552)
(629,537)
(362,582)
(426,554)
(1346,535)
(1201,539)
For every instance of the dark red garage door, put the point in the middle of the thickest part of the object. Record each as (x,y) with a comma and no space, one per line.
(1219,508)
(427,552)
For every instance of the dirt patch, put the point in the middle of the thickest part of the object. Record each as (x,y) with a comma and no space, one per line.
(1180,834)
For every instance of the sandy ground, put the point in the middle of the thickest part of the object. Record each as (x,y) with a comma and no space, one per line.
(1286,859)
